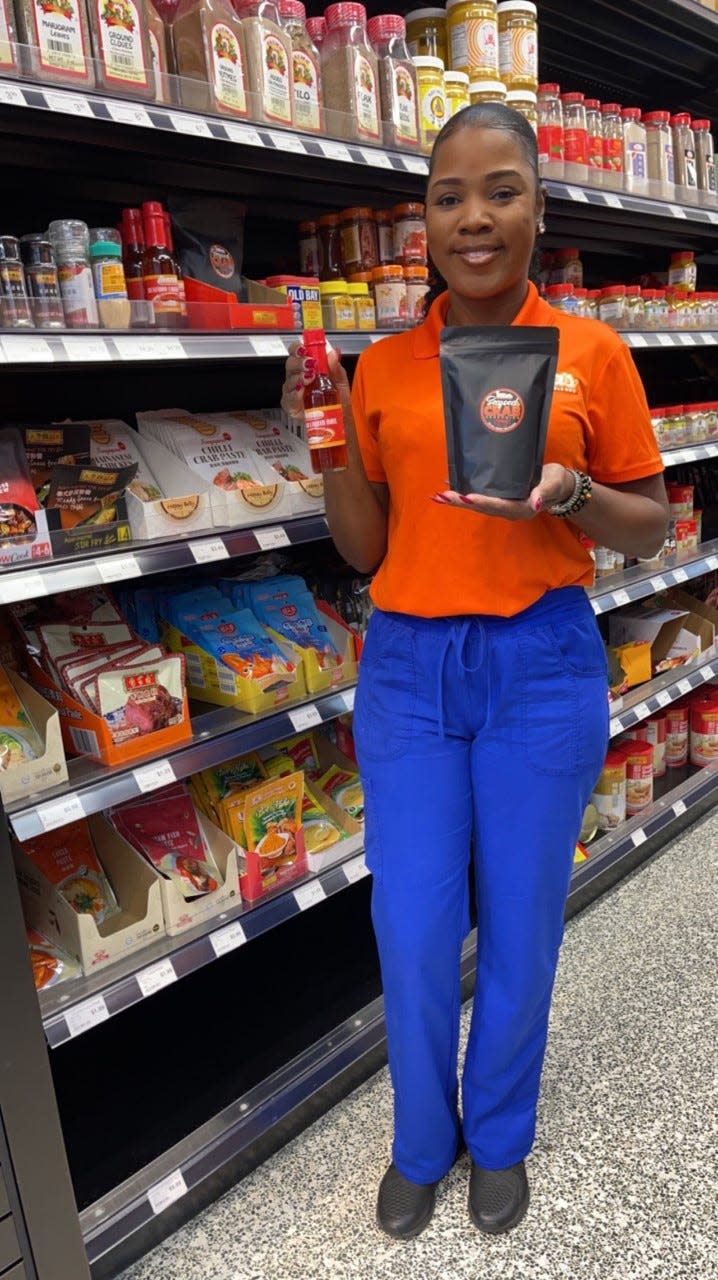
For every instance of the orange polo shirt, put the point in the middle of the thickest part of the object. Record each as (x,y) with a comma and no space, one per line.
(441,561)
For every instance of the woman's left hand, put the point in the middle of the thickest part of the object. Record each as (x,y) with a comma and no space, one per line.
(556,485)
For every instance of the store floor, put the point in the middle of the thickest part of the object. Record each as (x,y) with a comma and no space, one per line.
(623,1173)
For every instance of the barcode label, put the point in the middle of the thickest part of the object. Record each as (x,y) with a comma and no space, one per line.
(59,46)
(226,682)
(167,1191)
(123,60)
(86,1015)
(85,741)
(308,895)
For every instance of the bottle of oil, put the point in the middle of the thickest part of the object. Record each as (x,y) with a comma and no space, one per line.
(323,414)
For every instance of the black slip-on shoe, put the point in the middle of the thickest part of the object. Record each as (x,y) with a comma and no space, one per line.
(404,1208)
(498,1198)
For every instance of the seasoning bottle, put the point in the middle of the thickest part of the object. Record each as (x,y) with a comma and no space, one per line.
(526,103)
(161,285)
(594,125)
(575,137)
(518,44)
(612,306)
(15,312)
(384,219)
(682,271)
(360,249)
(456,91)
(43,286)
(8,40)
(337,305)
(397,80)
(269,61)
(70,241)
(635,167)
(659,145)
(350,75)
(389,288)
(133,253)
(612,146)
(473,33)
(169,235)
(364,308)
(330,247)
(317,31)
(306,73)
(211,59)
(410,234)
(426,34)
(684,158)
(113,304)
(308,249)
(432,101)
(57,56)
(705,161)
(550,131)
(323,415)
(121,47)
(635,307)
(159,35)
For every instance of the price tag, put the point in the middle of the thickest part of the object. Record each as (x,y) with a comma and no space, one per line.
(70,104)
(377,337)
(687,339)
(712,215)
(612,200)
(659,583)
(11,95)
(118,568)
(642,710)
(126,113)
(577,194)
(379,159)
(268,346)
(356,869)
(690,455)
(680,575)
(638,837)
(707,339)
(57,813)
(415,164)
(85,350)
(336,151)
(71,577)
(208,549)
(193,125)
(25,586)
(677,211)
(150,348)
(684,686)
(615,727)
(305,718)
(242,133)
(88,1014)
(666,340)
(227,939)
(348,699)
(287,142)
(712,562)
(27,350)
(679,808)
(621,597)
(308,895)
(155,977)
(152,776)
(637,340)
(166,1192)
(663,698)
(274,536)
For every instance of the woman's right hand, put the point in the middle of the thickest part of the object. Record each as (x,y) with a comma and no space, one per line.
(300,370)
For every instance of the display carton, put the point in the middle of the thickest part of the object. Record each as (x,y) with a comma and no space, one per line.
(139,922)
(186,506)
(319,679)
(50,768)
(699,609)
(285,453)
(212,681)
(676,636)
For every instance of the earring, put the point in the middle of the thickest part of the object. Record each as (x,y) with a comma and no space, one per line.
(541,227)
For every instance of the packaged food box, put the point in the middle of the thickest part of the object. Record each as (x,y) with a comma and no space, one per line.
(137,922)
(676,636)
(24,531)
(284,452)
(700,609)
(38,763)
(634,661)
(210,680)
(184,506)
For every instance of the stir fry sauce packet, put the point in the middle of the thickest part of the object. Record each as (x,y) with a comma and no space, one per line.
(166,831)
(497,385)
(45,446)
(18,501)
(88,495)
(50,964)
(67,859)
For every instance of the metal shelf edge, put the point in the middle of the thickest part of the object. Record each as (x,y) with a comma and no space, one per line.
(657,694)
(624,588)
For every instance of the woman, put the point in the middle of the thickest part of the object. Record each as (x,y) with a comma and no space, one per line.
(481,718)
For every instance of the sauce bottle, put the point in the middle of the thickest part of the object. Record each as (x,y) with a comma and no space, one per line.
(323,414)
(133,246)
(175,259)
(159,275)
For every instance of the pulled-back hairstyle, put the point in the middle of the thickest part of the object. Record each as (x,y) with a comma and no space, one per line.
(484,115)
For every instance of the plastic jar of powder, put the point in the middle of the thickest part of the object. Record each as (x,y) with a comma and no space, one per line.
(389,288)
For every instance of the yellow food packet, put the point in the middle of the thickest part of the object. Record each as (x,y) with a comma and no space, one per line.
(345,788)
(272,818)
(301,749)
(280,766)
(320,831)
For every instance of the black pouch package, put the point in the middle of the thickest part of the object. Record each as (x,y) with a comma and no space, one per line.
(209,235)
(497,384)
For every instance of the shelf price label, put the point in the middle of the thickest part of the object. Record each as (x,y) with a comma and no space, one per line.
(415,164)
(150,348)
(680,575)
(156,977)
(637,340)
(638,837)
(712,562)
(268,346)
(666,340)
(663,698)
(118,568)
(227,939)
(379,159)
(679,808)
(57,813)
(153,776)
(207,550)
(621,597)
(85,1016)
(25,586)
(68,103)
(271,537)
(192,125)
(659,583)
(308,895)
(687,339)
(166,1192)
(677,211)
(643,710)
(684,686)
(85,350)
(348,698)
(577,194)
(287,142)
(336,151)
(127,113)
(356,869)
(24,350)
(11,96)
(304,718)
(612,200)
(242,133)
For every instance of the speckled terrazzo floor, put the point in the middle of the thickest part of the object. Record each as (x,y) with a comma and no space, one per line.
(624,1171)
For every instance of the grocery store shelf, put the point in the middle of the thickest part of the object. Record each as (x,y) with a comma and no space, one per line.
(138,559)
(634,584)
(690,453)
(658,694)
(218,734)
(641,206)
(72,1008)
(652,339)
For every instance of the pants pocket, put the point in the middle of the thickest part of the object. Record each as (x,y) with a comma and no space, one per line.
(385,703)
(564,698)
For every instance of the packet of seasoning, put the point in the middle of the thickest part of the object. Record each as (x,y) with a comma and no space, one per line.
(50,964)
(497,385)
(167,832)
(209,236)
(45,446)
(18,502)
(87,495)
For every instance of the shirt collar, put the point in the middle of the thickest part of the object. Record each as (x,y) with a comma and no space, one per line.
(427,335)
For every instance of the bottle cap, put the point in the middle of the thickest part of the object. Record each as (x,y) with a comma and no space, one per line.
(385,25)
(105,249)
(345,15)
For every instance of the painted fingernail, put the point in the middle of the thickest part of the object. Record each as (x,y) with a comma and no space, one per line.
(538,505)
(439,497)
(299,386)
(310,365)
(300,351)
(468,501)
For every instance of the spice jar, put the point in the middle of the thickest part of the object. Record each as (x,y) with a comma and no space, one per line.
(108,275)
(317,31)
(207,43)
(684,158)
(384,219)
(58,52)
(594,126)
(330,247)
(612,306)
(397,81)
(567,267)
(360,249)
(417,287)
(525,103)
(581,296)
(609,793)
(15,311)
(432,102)
(575,137)
(635,307)
(486,91)
(612,146)
(337,306)
(562,297)
(364,308)
(639,775)
(682,272)
(389,289)
(550,131)
(518,45)
(456,92)
(70,241)
(350,75)
(43,286)
(677,716)
(120,41)
(306,74)
(269,61)
(426,34)
(634,152)
(705,161)
(308,249)
(410,235)
(473,33)
(659,154)
(591,304)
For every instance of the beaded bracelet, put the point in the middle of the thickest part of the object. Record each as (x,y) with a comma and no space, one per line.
(582,493)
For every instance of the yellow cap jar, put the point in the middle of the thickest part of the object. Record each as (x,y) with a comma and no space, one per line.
(473,36)
(526,103)
(518,44)
(456,90)
(337,306)
(364,308)
(432,99)
(487,91)
(426,34)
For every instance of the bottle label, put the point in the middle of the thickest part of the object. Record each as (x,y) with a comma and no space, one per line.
(613,155)
(689,159)
(550,142)
(122,47)
(576,145)
(277,85)
(7,56)
(518,54)
(109,280)
(307,111)
(164,294)
(324,425)
(366,98)
(12,280)
(670,163)
(78,294)
(60,37)
(386,242)
(42,282)
(159,67)
(595,151)
(136,290)
(404,105)
(636,159)
(482,46)
(228,76)
(351,246)
(433,109)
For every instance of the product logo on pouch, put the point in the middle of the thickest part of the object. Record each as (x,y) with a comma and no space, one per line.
(502,410)
(221,261)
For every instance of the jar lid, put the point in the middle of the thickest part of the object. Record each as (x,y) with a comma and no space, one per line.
(592,104)
(550,88)
(572,97)
(488,86)
(348,215)
(631,113)
(594,293)
(316,27)
(394,272)
(700,124)
(581,293)
(681,119)
(614,760)
(657,117)
(633,291)
(345,15)
(105,249)
(518,6)
(683,255)
(435,64)
(360,277)
(649,295)
(560,291)
(333,286)
(357,289)
(417,14)
(416,273)
(329,220)
(9,247)
(385,25)
(456,77)
(451,4)
(307,228)
(614,291)
(414,209)
(383,215)
(522,95)
(611,109)
(292,9)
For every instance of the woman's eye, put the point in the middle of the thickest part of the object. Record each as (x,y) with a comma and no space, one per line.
(503,193)
(447,200)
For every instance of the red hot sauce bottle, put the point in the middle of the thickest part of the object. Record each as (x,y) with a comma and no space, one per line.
(323,414)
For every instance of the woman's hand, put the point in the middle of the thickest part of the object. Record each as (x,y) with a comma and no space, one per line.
(300,370)
(556,485)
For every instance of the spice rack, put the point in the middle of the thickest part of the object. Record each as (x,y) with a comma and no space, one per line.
(132,144)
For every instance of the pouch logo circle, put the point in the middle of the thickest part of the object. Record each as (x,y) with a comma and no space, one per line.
(502,410)
(221,261)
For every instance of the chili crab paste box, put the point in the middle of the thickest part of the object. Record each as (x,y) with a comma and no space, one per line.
(284,452)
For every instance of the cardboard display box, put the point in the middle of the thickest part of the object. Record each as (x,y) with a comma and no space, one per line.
(676,635)
(211,681)
(285,453)
(682,600)
(186,507)
(139,922)
(50,769)
(347,643)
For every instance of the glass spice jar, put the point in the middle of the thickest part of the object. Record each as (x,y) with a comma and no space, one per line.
(431,99)
(612,306)
(397,80)
(518,44)
(635,307)
(330,247)
(350,75)
(594,126)
(426,34)
(684,158)
(306,72)
(486,91)
(389,288)
(575,137)
(410,234)
(360,249)
(70,241)
(417,287)
(525,103)
(563,298)
(705,161)
(612,146)
(15,312)
(550,131)
(337,306)
(591,305)
(682,271)
(659,155)
(43,286)
(456,92)
(635,165)
(308,249)
(473,34)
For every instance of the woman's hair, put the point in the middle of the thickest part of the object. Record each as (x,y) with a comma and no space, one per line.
(484,115)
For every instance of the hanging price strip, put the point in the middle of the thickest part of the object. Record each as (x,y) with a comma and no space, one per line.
(85,1016)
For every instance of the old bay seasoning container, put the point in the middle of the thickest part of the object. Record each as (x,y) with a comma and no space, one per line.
(473,33)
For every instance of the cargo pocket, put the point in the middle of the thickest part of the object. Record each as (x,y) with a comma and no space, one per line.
(564,698)
(385,703)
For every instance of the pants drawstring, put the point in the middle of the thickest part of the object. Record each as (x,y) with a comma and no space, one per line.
(456,638)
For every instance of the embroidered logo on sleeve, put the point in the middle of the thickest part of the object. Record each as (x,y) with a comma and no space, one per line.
(566,382)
